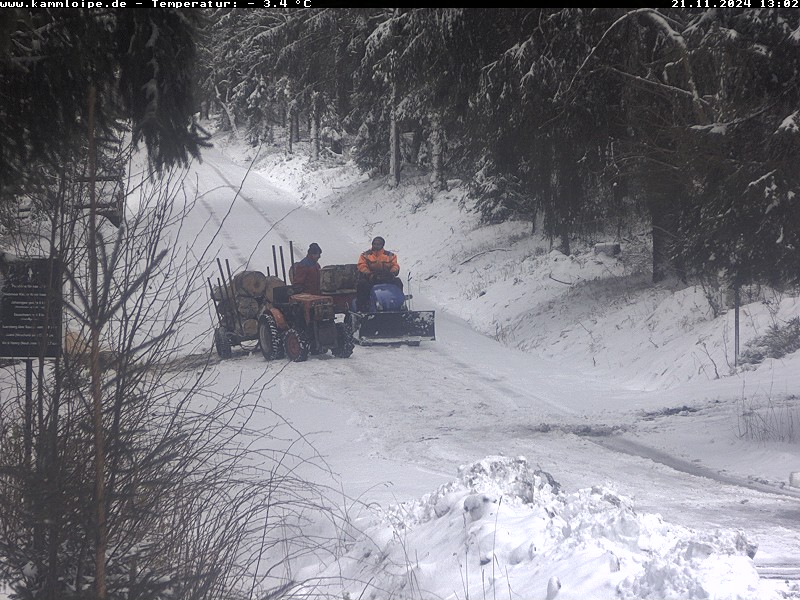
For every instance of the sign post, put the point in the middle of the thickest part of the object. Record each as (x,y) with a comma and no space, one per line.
(30,308)
(30,321)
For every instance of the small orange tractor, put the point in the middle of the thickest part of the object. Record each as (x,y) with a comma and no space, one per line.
(298,324)
(278,317)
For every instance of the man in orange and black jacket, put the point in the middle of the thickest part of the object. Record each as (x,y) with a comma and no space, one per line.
(376,265)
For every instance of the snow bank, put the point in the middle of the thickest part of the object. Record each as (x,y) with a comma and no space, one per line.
(502,528)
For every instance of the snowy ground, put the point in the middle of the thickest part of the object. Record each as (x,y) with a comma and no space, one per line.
(569,369)
(573,432)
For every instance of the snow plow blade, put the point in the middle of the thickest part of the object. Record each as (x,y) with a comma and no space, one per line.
(390,327)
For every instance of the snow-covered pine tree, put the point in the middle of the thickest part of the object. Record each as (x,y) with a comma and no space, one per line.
(545,118)
(708,108)
(237,72)
(742,217)
(140,62)
(315,50)
(377,89)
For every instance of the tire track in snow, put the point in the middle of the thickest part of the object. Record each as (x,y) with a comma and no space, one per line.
(245,197)
(632,448)
(789,571)
(509,390)
(230,243)
(251,203)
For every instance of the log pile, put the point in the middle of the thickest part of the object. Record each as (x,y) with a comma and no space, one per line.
(241,301)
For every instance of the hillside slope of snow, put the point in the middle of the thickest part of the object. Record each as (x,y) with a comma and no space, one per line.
(503,528)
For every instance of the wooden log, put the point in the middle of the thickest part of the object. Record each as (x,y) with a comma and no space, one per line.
(250,327)
(219,294)
(334,278)
(248,307)
(250,283)
(272,283)
(227,314)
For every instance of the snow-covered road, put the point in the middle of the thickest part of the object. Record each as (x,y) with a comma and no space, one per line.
(394,423)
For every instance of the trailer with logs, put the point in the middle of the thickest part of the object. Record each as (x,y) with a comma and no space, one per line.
(282,320)
(238,300)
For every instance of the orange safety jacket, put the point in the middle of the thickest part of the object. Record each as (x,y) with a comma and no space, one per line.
(382,261)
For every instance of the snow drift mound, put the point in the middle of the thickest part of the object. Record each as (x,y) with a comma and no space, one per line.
(503,526)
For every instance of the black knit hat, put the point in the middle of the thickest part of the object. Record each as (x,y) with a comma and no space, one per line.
(314,248)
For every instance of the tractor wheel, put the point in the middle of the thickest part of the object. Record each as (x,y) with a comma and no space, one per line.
(269,339)
(344,341)
(295,345)
(352,325)
(222,343)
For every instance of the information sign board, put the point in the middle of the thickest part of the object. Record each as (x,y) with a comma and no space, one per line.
(30,307)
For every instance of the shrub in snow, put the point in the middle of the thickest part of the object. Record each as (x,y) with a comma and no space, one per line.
(766,419)
(777,342)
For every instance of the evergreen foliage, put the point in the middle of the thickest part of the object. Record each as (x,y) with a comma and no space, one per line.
(741,217)
(234,68)
(140,62)
(569,117)
(560,126)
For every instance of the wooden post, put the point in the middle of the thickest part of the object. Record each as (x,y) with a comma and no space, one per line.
(28,433)
(736,325)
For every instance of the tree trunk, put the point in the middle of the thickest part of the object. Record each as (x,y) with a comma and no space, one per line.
(27,434)
(250,327)
(290,127)
(315,127)
(437,154)
(228,112)
(563,235)
(248,308)
(661,232)
(394,142)
(416,143)
(249,283)
(96,375)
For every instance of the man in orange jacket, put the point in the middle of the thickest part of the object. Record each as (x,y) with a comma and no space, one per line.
(376,265)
